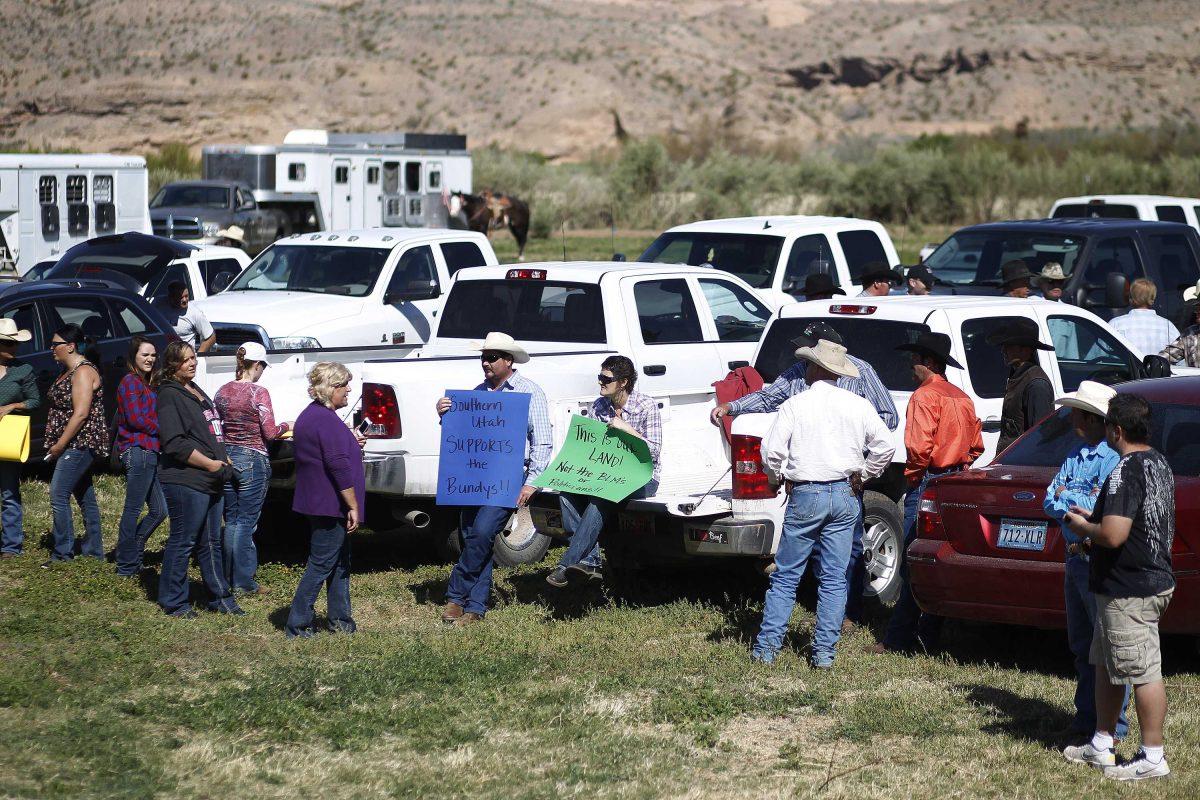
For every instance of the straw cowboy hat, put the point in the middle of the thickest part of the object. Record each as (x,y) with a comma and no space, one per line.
(829,356)
(1091,397)
(503,343)
(1191,293)
(10,333)
(1051,272)
(932,344)
(232,232)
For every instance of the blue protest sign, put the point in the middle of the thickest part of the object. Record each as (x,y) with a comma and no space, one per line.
(482,457)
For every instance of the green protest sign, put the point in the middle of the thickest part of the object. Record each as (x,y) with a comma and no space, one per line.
(598,461)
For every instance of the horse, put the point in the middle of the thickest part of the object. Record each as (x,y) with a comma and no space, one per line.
(488,211)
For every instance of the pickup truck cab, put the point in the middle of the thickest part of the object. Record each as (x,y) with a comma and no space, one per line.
(1130,206)
(1101,257)
(196,210)
(775,254)
(345,288)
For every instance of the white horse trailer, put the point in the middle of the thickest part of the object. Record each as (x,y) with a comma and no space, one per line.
(338,181)
(49,203)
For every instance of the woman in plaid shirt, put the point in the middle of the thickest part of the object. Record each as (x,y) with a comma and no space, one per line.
(137,447)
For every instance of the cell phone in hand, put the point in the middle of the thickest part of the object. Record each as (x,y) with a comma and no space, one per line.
(364,425)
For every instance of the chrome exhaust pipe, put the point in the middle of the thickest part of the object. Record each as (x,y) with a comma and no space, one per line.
(416,519)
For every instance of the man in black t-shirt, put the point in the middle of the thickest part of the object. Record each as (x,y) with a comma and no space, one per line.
(1129,535)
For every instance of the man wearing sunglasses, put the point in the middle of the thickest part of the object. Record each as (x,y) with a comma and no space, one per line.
(471,580)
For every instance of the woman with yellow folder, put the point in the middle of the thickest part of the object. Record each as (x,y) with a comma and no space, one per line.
(18,393)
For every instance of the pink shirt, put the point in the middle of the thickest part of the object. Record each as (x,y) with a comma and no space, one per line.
(247,419)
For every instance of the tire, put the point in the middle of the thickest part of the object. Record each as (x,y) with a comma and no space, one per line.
(519,543)
(883,541)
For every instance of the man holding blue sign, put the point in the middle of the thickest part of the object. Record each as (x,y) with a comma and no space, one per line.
(489,497)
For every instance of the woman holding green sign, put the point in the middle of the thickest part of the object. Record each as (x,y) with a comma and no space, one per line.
(583,516)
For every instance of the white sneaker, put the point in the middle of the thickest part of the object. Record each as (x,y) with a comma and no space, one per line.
(1086,754)
(1138,769)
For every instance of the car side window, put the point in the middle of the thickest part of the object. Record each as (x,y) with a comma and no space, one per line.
(416,269)
(1170,213)
(985,364)
(210,269)
(738,315)
(1087,352)
(27,319)
(666,312)
(129,319)
(1113,255)
(804,258)
(157,289)
(462,254)
(861,248)
(89,313)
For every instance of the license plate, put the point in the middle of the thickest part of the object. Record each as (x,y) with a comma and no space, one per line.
(1022,534)
(637,524)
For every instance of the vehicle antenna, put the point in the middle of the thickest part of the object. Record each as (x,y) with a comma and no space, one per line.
(562,226)
(612,231)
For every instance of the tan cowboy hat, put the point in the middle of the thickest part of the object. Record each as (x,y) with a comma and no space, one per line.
(10,333)
(233,232)
(1051,272)
(504,344)
(1091,396)
(830,356)
(1191,293)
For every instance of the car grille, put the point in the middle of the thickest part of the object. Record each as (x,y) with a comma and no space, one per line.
(229,338)
(177,227)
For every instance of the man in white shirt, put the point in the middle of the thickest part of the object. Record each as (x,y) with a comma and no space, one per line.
(1142,325)
(190,323)
(816,449)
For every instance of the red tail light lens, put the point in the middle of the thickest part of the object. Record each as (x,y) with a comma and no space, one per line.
(526,274)
(750,480)
(929,517)
(379,406)
(852,309)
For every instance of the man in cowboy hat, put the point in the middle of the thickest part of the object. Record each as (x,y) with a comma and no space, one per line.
(824,444)
(820,286)
(1078,483)
(1028,395)
(942,434)
(792,382)
(920,280)
(18,393)
(233,236)
(1051,281)
(471,579)
(876,280)
(1142,325)
(1014,279)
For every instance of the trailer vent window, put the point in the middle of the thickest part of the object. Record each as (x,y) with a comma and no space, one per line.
(341,175)
(296,172)
(102,189)
(372,175)
(76,189)
(48,190)
(393,207)
(435,180)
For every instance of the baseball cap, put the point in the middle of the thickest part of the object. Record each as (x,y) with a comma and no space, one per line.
(254,351)
(815,331)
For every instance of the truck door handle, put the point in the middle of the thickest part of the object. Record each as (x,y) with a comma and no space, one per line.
(738,364)
(655,369)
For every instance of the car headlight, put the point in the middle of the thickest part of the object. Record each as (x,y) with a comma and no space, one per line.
(294,343)
(209,228)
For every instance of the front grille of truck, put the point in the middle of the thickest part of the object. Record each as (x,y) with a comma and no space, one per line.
(177,227)
(230,337)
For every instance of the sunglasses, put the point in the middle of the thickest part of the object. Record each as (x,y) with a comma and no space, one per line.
(56,344)
(605,380)
(489,358)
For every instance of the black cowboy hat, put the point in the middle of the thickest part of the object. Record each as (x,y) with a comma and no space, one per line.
(820,283)
(1013,271)
(932,344)
(922,273)
(1022,332)
(877,271)
(815,331)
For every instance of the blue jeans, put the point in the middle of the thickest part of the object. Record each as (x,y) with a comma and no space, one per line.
(909,626)
(141,489)
(471,579)
(328,564)
(817,513)
(856,572)
(72,476)
(195,526)
(584,518)
(12,514)
(1081,626)
(244,496)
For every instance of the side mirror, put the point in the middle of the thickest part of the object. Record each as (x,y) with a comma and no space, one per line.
(1156,367)
(416,290)
(1115,286)
(221,281)
(619,257)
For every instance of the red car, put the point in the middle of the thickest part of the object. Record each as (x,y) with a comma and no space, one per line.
(986,550)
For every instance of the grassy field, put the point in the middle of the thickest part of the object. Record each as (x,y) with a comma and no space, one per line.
(589,695)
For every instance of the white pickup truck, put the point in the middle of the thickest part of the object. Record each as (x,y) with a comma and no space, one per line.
(684,327)
(775,254)
(752,519)
(314,291)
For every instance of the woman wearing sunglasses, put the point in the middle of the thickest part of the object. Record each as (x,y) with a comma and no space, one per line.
(584,517)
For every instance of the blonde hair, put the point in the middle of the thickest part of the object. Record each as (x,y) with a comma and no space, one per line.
(1143,293)
(321,379)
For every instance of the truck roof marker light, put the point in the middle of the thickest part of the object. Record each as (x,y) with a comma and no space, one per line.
(314,237)
(332,236)
(526,274)
(847,308)
(352,239)
(387,238)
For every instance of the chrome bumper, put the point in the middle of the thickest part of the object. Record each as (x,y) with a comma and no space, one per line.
(733,537)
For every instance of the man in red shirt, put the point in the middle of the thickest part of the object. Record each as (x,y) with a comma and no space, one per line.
(942,434)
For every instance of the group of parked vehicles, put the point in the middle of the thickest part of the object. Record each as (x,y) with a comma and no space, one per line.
(400,306)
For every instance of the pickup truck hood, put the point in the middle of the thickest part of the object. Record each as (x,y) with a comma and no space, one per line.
(281,313)
(201,212)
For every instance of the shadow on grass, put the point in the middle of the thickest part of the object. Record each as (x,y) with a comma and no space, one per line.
(1019,717)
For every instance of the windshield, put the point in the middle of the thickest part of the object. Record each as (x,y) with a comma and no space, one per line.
(350,271)
(872,340)
(191,196)
(535,311)
(974,257)
(752,257)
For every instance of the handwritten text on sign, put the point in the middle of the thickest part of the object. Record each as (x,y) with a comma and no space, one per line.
(482,458)
(598,461)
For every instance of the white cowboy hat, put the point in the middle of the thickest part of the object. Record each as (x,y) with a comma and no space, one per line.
(1051,272)
(504,344)
(830,356)
(232,232)
(1091,396)
(1191,293)
(10,333)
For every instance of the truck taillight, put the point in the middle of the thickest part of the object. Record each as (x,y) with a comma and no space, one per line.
(750,480)
(380,407)
(929,517)
(847,308)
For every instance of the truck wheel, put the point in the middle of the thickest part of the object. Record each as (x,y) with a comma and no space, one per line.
(883,541)
(519,542)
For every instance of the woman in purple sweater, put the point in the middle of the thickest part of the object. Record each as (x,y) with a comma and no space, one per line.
(331,492)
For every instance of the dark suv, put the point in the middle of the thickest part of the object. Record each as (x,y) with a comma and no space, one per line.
(1101,257)
(110,315)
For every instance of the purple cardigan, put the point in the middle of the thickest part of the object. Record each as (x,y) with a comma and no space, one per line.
(328,459)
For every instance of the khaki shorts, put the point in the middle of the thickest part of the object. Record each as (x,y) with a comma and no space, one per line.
(1126,639)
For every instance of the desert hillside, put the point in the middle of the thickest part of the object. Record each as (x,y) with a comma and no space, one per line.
(553,76)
